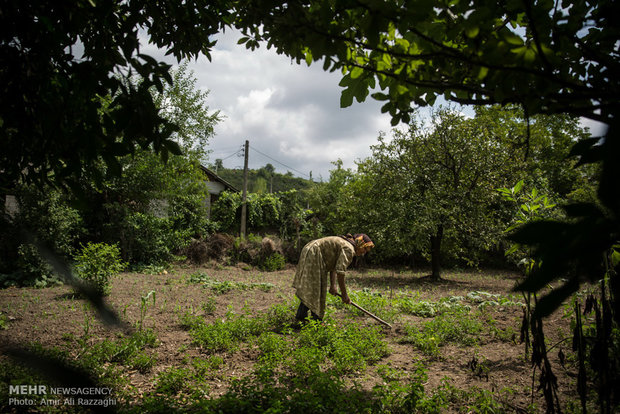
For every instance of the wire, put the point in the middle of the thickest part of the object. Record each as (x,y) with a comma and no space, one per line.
(273,159)
(234,153)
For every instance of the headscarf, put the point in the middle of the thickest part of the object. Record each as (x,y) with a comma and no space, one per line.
(359,240)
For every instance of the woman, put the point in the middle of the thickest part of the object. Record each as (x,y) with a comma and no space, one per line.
(328,255)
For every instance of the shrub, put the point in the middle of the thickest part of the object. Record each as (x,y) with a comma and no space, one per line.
(271,263)
(264,252)
(144,238)
(34,271)
(97,263)
(45,215)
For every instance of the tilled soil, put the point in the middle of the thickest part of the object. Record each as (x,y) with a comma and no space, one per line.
(52,316)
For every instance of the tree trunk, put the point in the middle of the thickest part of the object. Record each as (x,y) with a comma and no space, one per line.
(436,253)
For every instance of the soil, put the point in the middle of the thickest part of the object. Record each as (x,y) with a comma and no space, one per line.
(52,315)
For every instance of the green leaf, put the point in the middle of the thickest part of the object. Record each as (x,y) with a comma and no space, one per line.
(517,187)
(173,147)
(356,72)
(472,32)
(308,54)
(530,55)
(380,96)
(615,257)
(512,38)
(346,98)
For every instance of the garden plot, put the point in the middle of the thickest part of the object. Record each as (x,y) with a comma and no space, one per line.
(223,339)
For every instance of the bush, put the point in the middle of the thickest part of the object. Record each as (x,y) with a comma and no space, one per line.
(97,263)
(143,237)
(271,263)
(45,215)
(263,252)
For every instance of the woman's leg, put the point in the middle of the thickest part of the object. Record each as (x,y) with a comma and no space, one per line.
(302,313)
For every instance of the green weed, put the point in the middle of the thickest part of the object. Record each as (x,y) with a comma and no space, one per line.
(221,287)
(485,299)
(209,306)
(457,328)
(228,334)
(4,322)
(375,303)
(207,368)
(142,362)
(427,309)
(144,305)
(189,320)
(127,350)
(172,380)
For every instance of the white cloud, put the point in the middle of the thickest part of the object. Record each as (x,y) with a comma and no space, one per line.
(288,111)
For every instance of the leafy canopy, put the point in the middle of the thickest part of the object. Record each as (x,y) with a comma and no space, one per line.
(549,56)
(59,60)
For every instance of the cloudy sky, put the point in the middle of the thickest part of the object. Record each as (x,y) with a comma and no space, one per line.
(290,113)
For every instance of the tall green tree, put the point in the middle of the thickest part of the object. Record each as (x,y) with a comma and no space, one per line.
(440,182)
(57,59)
(184,104)
(540,146)
(333,203)
(153,207)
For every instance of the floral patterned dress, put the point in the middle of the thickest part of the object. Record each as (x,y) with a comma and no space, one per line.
(318,258)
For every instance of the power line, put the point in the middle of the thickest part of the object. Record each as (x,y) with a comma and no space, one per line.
(234,153)
(273,159)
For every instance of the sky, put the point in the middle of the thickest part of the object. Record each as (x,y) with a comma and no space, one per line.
(290,113)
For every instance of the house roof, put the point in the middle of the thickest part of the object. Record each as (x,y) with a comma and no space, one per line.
(214,177)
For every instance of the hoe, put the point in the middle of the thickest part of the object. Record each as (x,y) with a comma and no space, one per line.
(370,314)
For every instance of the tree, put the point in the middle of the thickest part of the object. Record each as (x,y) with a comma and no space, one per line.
(153,207)
(541,144)
(442,180)
(547,56)
(57,60)
(219,164)
(183,104)
(332,202)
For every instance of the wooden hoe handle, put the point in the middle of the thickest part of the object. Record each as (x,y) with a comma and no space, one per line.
(369,314)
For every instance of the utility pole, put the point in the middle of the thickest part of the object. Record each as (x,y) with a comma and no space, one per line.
(245,189)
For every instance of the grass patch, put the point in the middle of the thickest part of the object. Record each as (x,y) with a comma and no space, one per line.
(221,287)
(129,351)
(459,327)
(228,334)
(428,309)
